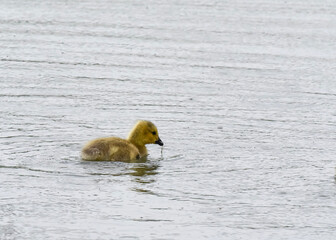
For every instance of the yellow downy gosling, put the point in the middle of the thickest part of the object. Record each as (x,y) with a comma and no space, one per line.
(125,150)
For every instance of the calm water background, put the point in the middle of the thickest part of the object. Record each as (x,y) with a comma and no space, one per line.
(243,94)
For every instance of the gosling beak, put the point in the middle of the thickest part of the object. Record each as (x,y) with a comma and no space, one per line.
(159,142)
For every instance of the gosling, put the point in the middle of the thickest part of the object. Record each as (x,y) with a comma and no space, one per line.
(125,150)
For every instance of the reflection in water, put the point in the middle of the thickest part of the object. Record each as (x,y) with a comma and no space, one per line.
(146,191)
(143,174)
(144,170)
(140,168)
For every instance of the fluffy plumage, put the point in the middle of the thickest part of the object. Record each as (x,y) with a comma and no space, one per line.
(126,150)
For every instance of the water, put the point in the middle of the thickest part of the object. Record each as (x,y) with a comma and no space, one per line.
(242,92)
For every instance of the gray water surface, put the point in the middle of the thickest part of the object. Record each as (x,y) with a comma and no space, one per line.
(242,92)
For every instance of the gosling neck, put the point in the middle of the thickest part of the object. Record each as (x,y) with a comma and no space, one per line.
(135,137)
(141,147)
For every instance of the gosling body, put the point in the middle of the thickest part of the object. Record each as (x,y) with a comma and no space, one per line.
(125,150)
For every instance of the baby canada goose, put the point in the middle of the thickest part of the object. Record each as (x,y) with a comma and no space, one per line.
(126,150)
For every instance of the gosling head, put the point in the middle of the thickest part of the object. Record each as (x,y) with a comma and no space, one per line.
(145,132)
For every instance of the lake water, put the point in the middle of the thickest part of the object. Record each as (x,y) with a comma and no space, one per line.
(243,94)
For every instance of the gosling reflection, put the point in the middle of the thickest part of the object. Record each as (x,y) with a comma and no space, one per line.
(144,169)
(144,174)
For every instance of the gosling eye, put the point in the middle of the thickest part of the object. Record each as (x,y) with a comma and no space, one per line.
(154,133)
